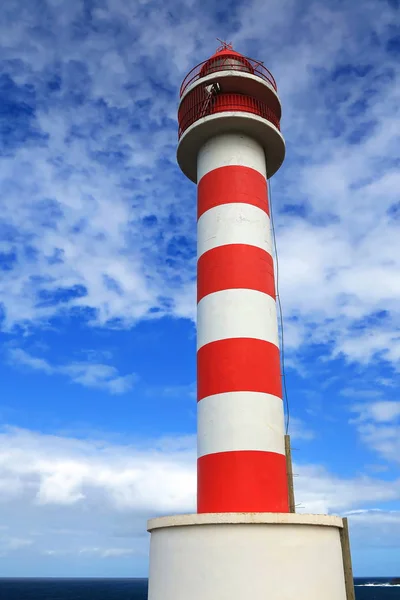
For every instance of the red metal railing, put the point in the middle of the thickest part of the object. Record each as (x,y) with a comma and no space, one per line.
(216,64)
(199,103)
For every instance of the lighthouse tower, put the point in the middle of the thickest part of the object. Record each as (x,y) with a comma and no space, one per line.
(243,543)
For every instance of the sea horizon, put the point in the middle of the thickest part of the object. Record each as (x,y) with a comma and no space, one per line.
(144,578)
(136,588)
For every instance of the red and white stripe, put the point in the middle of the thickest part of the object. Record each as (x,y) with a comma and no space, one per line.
(241,451)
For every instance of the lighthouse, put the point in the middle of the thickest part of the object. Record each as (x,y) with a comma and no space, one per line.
(243,542)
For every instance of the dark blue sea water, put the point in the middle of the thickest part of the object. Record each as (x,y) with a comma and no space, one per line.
(377,588)
(136,589)
(73,589)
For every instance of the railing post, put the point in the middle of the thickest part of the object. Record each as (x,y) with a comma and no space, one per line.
(347,565)
(289,470)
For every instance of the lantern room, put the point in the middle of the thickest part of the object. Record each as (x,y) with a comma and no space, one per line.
(229,92)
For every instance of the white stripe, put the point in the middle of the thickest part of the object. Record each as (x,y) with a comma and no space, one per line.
(230,149)
(240,421)
(236,313)
(235,223)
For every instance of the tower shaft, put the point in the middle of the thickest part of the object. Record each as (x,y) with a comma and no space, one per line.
(241,453)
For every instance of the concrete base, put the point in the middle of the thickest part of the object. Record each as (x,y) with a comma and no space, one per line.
(246,556)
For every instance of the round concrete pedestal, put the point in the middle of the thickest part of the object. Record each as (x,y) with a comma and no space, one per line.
(246,556)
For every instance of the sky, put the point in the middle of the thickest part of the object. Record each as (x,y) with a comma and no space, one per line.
(98,258)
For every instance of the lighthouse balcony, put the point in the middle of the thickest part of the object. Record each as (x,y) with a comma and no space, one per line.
(208,100)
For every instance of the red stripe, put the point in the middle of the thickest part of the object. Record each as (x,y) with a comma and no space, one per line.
(231,184)
(245,481)
(235,266)
(238,365)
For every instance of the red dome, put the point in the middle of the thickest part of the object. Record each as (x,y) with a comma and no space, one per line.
(226,52)
(226,59)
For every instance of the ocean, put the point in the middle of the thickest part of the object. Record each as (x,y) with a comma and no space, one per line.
(136,589)
(376,588)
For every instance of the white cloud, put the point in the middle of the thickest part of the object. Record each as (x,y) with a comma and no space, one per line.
(99,376)
(95,551)
(378,425)
(380,525)
(88,374)
(319,491)
(391,516)
(383,439)
(92,498)
(298,430)
(14,543)
(105,212)
(87,190)
(20,357)
(107,552)
(378,412)
(54,470)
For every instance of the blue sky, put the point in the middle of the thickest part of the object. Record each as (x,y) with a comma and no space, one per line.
(97,258)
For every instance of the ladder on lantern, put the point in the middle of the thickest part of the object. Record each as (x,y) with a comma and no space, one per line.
(211,91)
